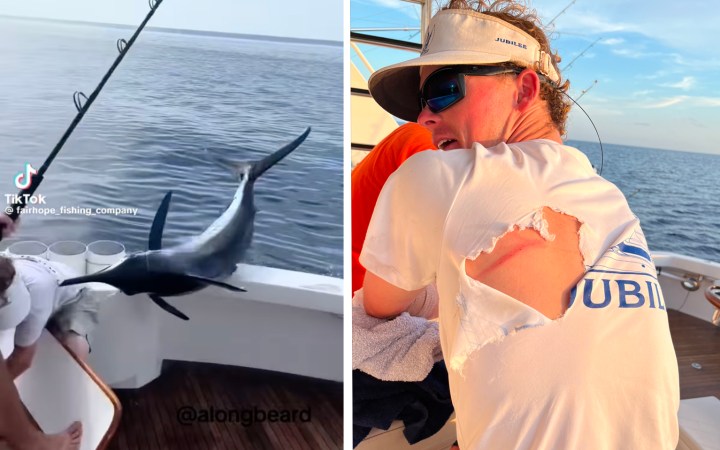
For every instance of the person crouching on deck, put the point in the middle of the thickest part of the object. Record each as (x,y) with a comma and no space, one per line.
(32,285)
(16,429)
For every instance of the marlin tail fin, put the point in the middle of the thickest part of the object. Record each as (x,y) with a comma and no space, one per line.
(259,167)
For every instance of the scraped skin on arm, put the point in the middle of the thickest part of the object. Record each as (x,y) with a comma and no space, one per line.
(536,271)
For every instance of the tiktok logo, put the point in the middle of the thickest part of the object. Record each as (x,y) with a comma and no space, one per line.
(23,180)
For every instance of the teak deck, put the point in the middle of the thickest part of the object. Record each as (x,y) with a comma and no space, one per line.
(696,341)
(150,416)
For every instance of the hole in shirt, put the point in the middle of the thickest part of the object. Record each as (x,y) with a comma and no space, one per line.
(537,264)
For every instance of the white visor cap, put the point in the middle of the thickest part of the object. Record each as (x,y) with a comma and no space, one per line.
(457,37)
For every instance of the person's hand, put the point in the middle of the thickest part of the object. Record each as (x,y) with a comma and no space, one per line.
(7,225)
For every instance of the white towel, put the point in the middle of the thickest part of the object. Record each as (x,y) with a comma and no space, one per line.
(402,349)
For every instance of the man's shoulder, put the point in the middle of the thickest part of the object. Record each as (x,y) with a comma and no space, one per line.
(429,180)
(530,147)
(548,149)
(541,154)
(46,265)
(441,159)
(39,271)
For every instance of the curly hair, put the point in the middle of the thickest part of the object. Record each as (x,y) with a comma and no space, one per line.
(521,16)
(7,274)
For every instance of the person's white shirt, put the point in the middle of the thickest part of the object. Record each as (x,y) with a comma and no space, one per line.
(39,288)
(603,376)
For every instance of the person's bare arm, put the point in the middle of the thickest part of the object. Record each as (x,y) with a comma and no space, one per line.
(402,246)
(20,360)
(16,428)
(384,300)
(15,425)
(14,422)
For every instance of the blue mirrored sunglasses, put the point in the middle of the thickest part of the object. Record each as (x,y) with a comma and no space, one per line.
(446,86)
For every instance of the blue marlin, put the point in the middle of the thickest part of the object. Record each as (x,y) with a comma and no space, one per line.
(203,260)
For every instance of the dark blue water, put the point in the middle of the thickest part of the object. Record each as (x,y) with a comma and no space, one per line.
(676,195)
(171,97)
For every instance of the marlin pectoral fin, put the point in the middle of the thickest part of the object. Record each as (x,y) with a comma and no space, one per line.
(167,306)
(216,283)
(155,241)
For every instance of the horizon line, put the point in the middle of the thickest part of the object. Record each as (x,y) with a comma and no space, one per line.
(643,147)
(182,30)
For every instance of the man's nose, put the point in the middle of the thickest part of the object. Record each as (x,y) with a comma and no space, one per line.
(427,118)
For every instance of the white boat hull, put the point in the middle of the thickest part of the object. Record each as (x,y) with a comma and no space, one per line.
(287,321)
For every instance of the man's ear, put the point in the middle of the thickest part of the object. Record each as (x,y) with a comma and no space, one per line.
(528,86)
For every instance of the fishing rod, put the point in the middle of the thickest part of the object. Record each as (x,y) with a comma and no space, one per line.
(564,69)
(560,13)
(82,104)
(586,90)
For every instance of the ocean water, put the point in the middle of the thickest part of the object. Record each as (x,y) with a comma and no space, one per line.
(175,95)
(675,194)
(172,97)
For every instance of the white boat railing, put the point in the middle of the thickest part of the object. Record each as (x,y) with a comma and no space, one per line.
(287,321)
(685,281)
(290,322)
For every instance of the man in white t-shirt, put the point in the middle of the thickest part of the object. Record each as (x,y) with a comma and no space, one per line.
(15,427)
(552,323)
(67,311)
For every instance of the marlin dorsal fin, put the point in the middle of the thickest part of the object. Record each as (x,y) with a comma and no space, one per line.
(155,240)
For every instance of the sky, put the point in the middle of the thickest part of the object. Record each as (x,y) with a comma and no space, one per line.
(656,65)
(316,19)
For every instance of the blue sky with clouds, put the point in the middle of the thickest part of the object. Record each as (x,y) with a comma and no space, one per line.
(655,62)
(317,19)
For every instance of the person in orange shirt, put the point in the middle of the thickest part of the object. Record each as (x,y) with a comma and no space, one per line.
(368,179)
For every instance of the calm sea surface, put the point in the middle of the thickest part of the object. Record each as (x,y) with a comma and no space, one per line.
(175,95)
(676,195)
(172,96)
